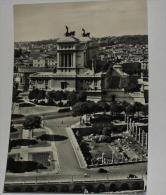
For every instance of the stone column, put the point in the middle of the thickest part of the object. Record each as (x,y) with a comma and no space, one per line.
(136,131)
(142,138)
(146,140)
(74,60)
(130,125)
(127,121)
(67,63)
(64,60)
(71,60)
(133,129)
(44,83)
(139,134)
(58,60)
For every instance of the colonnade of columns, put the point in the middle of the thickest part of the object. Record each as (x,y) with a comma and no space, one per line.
(137,132)
(66,60)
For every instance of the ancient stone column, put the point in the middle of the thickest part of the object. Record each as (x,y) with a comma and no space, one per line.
(127,121)
(136,132)
(142,138)
(139,134)
(146,140)
(130,123)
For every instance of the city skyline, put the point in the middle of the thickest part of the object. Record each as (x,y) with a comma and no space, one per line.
(47,21)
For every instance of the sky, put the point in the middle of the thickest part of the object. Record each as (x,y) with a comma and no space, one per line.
(34,22)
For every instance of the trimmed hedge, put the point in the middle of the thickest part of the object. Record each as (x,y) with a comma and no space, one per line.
(23,166)
(26,105)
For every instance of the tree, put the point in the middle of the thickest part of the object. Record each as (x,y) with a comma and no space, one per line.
(32,122)
(10,163)
(113,187)
(79,109)
(91,107)
(52,95)
(132,68)
(56,95)
(106,66)
(145,110)
(133,85)
(34,94)
(130,110)
(17,53)
(124,187)
(125,104)
(106,131)
(102,106)
(23,166)
(41,94)
(116,108)
(15,92)
(72,98)
(81,97)
(138,107)
(59,96)
(12,128)
(100,188)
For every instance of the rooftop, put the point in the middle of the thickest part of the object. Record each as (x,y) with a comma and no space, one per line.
(50,75)
(90,73)
(68,39)
(73,39)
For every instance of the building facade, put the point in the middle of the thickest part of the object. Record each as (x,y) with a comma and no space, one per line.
(74,69)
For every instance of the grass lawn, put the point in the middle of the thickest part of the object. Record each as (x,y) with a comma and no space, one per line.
(35,110)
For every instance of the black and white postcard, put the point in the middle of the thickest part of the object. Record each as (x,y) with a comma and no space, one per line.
(79,116)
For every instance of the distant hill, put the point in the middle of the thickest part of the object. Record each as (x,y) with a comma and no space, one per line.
(41,42)
(127,39)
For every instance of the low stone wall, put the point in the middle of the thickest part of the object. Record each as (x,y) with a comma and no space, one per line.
(76,147)
(128,185)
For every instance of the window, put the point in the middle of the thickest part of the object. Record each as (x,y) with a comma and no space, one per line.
(40,81)
(63,85)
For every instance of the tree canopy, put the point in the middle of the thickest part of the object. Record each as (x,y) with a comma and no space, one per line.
(132,68)
(37,94)
(130,110)
(116,108)
(81,108)
(15,92)
(138,107)
(32,122)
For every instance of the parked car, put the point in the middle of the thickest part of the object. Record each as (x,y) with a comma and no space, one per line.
(131,176)
(101,170)
(64,110)
(86,175)
(87,124)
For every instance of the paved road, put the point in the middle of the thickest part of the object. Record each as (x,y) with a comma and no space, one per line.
(67,158)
